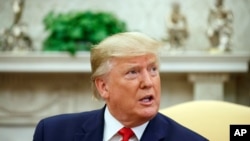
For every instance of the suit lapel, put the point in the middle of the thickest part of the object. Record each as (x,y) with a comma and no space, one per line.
(92,128)
(156,130)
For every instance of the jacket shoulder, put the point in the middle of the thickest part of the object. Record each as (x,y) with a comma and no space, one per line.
(56,127)
(174,131)
(69,119)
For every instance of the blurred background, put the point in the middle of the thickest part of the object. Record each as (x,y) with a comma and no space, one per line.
(44,58)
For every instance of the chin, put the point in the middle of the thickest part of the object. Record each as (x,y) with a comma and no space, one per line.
(149,112)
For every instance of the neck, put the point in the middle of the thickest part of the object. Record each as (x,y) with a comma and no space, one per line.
(128,120)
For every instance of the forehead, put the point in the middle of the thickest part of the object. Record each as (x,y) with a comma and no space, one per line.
(136,60)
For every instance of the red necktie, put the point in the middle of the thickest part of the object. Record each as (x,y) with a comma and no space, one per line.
(126,133)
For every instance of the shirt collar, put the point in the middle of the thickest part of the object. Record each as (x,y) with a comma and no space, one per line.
(112,126)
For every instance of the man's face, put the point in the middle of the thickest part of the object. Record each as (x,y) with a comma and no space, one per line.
(133,89)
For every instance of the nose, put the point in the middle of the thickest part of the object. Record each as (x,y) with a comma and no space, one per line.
(146,80)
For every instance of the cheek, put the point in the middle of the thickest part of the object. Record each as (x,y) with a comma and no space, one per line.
(158,88)
(118,88)
(124,93)
(126,89)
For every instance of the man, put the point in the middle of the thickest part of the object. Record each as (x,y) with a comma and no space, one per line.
(125,74)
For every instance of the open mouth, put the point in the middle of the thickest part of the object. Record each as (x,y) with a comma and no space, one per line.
(147,99)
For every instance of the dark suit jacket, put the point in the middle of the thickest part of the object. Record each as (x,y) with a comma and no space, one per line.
(89,126)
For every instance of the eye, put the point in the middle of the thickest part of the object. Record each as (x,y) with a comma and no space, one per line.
(131,74)
(153,70)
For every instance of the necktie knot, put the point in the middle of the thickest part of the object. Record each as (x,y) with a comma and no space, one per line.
(126,133)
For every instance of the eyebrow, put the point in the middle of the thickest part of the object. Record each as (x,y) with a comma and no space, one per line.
(134,65)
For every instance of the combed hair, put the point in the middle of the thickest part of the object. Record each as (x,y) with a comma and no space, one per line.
(127,44)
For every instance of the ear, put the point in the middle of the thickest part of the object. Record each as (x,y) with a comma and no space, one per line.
(102,87)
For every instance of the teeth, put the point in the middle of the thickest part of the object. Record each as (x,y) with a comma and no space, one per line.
(146,100)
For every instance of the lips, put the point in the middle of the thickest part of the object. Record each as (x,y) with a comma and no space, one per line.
(147,99)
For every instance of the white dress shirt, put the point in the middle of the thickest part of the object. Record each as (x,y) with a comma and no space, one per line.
(112,126)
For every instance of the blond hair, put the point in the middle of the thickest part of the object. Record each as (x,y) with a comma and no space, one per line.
(127,44)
